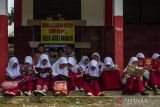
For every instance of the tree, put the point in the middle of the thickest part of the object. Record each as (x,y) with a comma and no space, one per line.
(10,16)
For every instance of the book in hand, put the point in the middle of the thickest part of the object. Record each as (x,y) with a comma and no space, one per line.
(43,70)
(60,86)
(148,63)
(87,76)
(133,71)
(27,68)
(13,84)
(9,85)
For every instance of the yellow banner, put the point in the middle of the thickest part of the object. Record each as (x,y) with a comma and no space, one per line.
(62,32)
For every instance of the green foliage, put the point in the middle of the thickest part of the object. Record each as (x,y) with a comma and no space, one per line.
(11,16)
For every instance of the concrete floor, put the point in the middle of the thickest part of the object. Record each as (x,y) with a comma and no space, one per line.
(77,99)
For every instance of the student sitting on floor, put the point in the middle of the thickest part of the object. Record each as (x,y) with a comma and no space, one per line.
(74,74)
(13,75)
(155,73)
(142,63)
(82,67)
(96,56)
(28,74)
(91,80)
(132,84)
(44,71)
(60,77)
(110,77)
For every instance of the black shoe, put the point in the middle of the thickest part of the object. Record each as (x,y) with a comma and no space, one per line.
(144,93)
(157,91)
(124,92)
(35,92)
(149,88)
(19,93)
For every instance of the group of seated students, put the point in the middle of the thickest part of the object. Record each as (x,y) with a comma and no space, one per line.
(65,74)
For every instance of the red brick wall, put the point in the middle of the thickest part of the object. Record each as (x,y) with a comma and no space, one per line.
(145,39)
(101,39)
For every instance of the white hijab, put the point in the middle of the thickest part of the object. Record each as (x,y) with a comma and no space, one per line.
(81,65)
(28,59)
(140,55)
(40,65)
(55,67)
(73,62)
(94,73)
(42,57)
(133,59)
(99,62)
(155,56)
(109,61)
(96,54)
(13,73)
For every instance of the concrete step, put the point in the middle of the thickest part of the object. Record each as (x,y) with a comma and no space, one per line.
(78,98)
(107,93)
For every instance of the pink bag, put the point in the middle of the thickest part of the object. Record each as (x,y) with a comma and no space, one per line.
(9,85)
(60,86)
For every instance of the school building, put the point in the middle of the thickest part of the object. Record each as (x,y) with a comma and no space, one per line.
(116,28)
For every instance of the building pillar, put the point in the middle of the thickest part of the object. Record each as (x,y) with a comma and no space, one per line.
(3,38)
(118,32)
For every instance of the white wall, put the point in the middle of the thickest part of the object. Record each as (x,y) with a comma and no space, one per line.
(27,11)
(3,7)
(118,7)
(93,11)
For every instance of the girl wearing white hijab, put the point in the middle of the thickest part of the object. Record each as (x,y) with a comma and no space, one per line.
(141,63)
(155,56)
(73,72)
(72,65)
(83,64)
(60,67)
(96,56)
(12,74)
(28,76)
(133,84)
(108,62)
(44,70)
(60,73)
(140,55)
(110,77)
(155,74)
(91,80)
(82,67)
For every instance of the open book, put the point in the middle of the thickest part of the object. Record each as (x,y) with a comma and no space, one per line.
(44,70)
(133,71)
(148,63)
(27,68)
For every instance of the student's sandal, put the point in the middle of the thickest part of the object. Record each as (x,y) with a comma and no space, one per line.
(63,93)
(42,92)
(19,93)
(27,93)
(12,94)
(6,93)
(57,93)
(101,94)
(35,92)
(144,93)
(89,94)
